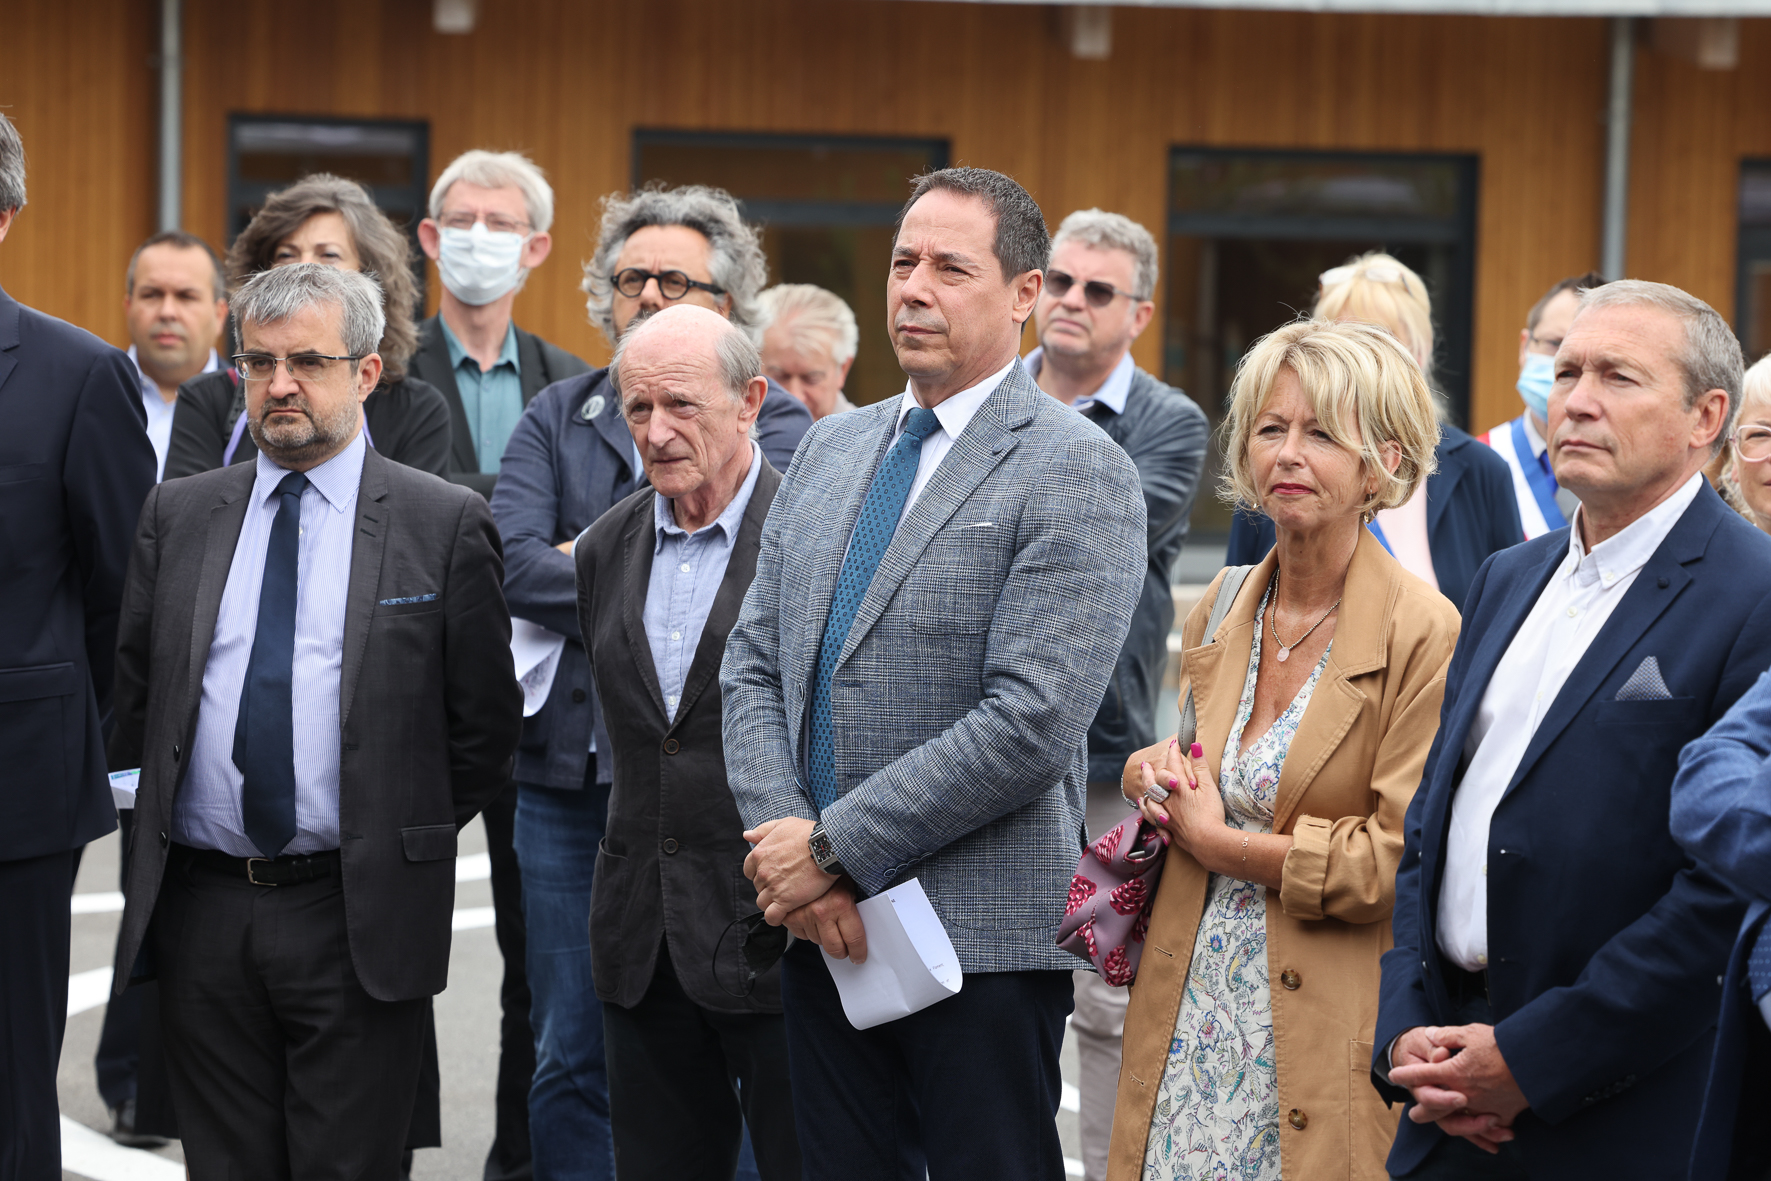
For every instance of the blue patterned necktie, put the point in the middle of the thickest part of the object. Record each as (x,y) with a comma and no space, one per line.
(873,532)
(1758,964)
(264,734)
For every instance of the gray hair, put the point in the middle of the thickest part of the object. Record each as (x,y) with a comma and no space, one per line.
(735,254)
(1114,231)
(1022,243)
(735,355)
(12,167)
(1711,358)
(497,170)
(811,316)
(271,297)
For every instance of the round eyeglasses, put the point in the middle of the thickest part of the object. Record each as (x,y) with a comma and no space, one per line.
(1752,444)
(671,284)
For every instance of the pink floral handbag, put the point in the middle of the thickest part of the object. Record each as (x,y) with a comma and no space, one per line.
(1108,911)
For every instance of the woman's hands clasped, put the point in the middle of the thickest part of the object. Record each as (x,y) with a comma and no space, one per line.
(1191,814)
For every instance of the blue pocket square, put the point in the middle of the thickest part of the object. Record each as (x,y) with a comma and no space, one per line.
(1646,683)
(403,602)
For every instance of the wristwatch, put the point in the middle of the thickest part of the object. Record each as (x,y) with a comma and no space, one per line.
(823,852)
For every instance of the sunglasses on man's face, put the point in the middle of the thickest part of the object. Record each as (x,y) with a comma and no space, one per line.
(757,948)
(1097,293)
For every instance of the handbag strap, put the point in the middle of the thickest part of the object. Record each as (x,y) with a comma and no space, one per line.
(1234,577)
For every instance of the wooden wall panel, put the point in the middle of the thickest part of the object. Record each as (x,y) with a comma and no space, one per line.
(78,84)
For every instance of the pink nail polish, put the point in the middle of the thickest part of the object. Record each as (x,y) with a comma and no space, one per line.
(1173,782)
(1198,751)
(1162,816)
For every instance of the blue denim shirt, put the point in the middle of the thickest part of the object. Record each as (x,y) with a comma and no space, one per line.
(491,398)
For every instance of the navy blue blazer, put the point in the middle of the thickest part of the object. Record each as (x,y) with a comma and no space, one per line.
(75,466)
(1606,940)
(1471,513)
(569,461)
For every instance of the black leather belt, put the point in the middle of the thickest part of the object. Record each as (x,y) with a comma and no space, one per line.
(287,870)
(1461,983)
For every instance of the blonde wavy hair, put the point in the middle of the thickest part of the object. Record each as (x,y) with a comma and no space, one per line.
(1365,390)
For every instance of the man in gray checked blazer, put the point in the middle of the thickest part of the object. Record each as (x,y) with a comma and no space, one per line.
(944,584)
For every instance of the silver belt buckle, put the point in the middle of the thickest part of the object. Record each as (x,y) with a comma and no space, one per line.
(253,878)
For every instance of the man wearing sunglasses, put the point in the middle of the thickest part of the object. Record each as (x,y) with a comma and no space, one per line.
(1096,301)
(570,459)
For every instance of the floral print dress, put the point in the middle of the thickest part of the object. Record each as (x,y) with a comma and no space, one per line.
(1217,1110)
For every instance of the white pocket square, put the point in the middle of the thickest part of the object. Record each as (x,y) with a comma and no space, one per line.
(979,525)
(1646,683)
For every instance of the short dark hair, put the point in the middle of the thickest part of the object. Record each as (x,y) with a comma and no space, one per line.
(1022,242)
(184,241)
(1574,283)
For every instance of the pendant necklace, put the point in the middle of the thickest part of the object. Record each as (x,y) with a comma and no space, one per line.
(1273,621)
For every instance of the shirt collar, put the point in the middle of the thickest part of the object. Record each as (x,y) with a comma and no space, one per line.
(956,412)
(728,522)
(148,383)
(1629,549)
(507,355)
(337,479)
(1538,446)
(1112,393)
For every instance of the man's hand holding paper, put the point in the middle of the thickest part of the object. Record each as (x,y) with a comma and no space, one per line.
(833,921)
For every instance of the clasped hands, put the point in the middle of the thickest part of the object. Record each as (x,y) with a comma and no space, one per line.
(1459,1081)
(793,892)
(1191,815)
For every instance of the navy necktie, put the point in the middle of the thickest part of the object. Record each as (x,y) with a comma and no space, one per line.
(264,735)
(873,532)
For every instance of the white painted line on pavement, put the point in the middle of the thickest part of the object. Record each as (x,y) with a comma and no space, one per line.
(1072,1099)
(98,902)
(475,867)
(1072,1167)
(91,1154)
(471,918)
(88,990)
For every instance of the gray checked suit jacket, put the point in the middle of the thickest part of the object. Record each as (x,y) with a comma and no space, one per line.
(974,665)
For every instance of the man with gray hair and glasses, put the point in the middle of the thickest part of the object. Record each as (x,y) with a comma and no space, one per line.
(1549,1007)
(1098,298)
(314,677)
(569,460)
(75,463)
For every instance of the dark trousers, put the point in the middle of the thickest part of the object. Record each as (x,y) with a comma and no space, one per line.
(281,1064)
(34,933)
(980,1071)
(509,1158)
(675,1065)
(131,1062)
(1454,1158)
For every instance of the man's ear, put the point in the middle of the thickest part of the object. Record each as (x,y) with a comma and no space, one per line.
(1027,288)
(368,375)
(430,239)
(755,390)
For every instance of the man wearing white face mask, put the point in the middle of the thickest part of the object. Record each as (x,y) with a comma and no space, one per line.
(1543,504)
(487,229)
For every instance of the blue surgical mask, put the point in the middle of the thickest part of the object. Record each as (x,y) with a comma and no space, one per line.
(477,265)
(1536,377)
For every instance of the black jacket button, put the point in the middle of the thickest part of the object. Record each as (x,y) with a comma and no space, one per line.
(670,845)
(671,746)
(578,695)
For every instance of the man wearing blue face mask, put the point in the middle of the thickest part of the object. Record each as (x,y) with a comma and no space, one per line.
(1543,505)
(487,229)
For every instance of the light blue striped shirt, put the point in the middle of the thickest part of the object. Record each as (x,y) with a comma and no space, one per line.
(208,814)
(687,569)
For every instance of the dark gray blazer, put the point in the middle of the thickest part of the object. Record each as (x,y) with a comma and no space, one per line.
(429,708)
(539,365)
(672,864)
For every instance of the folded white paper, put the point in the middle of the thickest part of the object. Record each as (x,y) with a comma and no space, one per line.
(910,964)
(536,652)
(123,785)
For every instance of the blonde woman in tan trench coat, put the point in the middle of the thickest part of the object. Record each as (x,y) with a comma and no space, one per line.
(1248,1037)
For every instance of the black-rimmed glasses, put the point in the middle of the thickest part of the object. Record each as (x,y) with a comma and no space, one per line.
(671,284)
(302,366)
(759,947)
(1097,293)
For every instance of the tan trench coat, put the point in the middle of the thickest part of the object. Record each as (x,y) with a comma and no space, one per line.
(1351,770)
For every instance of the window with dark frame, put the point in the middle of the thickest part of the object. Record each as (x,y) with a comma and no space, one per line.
(825,205)
(1752,292)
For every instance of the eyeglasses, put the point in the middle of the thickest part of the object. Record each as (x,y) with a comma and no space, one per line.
(1334,276)
(1097,293)
(671,284)
(305,367)
(759,948)
(496,222)
(1554,346)
(1752,444)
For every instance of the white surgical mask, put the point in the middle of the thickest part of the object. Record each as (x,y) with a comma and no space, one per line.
(1536,377)
(477,265)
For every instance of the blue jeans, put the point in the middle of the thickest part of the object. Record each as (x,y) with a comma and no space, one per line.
(556,841)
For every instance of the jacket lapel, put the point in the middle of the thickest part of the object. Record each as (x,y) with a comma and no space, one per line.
(740,571)
(638,541)
(374,518)
(531,369)
(433,351)
(607,420)
(225,520)
(9,316)
(1441,484)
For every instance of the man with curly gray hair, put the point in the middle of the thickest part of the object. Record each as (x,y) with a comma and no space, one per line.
(569,460)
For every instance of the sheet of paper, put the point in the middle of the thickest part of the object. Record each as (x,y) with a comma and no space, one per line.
(910,964)
(123,785)
(536,652)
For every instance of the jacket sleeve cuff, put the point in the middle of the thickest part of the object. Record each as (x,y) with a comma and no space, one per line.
(1306,869)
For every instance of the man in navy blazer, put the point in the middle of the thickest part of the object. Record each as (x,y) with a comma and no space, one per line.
(1549,1007)
(571,459)
(75,466)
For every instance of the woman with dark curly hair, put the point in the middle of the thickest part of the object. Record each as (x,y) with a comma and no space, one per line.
(325,219)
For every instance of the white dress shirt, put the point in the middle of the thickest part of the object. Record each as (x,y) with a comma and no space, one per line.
(955,414)
(1585,589)
(1112,393)
(209,813)
(160,410)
